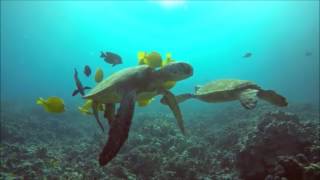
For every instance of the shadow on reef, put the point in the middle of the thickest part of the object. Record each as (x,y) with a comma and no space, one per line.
(229,144)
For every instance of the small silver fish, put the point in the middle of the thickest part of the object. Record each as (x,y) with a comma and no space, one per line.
(111,58)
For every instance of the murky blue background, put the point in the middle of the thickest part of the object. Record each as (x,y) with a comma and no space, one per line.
(42,42)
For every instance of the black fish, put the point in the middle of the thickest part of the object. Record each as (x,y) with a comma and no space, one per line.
(111,58)
(87,70)
(80,89)
(247,55)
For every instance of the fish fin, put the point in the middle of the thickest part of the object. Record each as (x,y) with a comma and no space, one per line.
(141,57)
(168,55)
(75,92)
(82,92)
(87,87)
(84,111)
(102,55)
(40,101)
(119,129)
(109,112)
(96,114)
(145,102)
(43,103)
(196,88)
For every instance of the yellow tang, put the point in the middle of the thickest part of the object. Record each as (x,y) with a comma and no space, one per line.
(168,84)
(145,102)
(145,98)
(87,106)
(153,59)
(99,75)
(167,60)
(52,104)
(141,57)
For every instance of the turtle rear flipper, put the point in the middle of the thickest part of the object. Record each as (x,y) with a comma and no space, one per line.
(248,98)
(272,97)
(119,129)
(169,98)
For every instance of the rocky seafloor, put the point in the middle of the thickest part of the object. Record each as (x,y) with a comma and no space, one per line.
(267,143)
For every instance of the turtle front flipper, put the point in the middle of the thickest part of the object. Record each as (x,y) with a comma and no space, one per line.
(169,98)
(248,98)
(96,114)
(119,129)
(109,112)
(273,98)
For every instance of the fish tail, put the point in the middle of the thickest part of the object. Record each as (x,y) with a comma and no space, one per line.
(40,101)
(75,92)
(102,55)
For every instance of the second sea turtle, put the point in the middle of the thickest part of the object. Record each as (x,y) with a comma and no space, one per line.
(224,90)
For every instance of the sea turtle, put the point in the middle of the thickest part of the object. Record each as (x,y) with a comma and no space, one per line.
(233,89)
(127,86)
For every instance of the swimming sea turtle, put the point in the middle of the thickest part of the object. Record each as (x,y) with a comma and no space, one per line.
(125,87)
(233,89)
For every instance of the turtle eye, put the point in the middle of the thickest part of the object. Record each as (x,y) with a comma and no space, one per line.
(186,69)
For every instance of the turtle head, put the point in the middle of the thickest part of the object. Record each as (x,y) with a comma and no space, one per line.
(177,71)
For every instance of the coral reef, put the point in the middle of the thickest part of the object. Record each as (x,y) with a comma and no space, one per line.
(273,151)
(227,144)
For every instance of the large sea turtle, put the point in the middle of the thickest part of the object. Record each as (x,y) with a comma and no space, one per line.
(127,86)
(233,89)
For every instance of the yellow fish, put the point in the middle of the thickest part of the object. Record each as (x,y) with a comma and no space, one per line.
(85,108)
(141,57)
(167,60)
(168,84)
(99,75)
(146,98)
(52,104)
(145,102)
(153,59)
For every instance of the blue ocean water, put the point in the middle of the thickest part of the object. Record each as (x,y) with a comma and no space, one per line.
(42,43)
